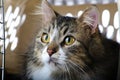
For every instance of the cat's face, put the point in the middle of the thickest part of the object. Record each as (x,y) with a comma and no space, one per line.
(61,43)
(62,38)
(59,46)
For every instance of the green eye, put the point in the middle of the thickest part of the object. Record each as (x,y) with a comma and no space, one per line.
(45,38)
(69,40)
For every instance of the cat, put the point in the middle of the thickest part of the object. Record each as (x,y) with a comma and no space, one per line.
(70,48)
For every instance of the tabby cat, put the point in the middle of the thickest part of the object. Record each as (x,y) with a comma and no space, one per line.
(69,48)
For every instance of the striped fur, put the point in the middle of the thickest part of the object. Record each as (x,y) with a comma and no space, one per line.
(90,57)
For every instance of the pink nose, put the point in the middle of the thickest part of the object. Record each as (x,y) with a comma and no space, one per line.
(51,52)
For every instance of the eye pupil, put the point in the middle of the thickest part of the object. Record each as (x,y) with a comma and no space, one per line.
(46,37)
(68,39)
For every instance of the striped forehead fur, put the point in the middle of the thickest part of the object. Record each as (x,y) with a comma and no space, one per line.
(68,21)
(63,23)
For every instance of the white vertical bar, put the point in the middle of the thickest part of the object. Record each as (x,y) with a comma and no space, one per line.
(3,53)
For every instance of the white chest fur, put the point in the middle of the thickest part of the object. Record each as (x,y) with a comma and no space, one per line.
(43,73)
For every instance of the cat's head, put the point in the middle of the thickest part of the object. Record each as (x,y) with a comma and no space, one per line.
(62,40)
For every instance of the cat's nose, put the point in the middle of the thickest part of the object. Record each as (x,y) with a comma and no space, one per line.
(51,51)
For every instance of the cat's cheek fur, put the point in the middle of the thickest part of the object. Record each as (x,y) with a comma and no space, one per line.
(62,56)
(45,57)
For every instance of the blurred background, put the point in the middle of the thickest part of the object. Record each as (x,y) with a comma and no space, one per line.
(79,2)
(21,24)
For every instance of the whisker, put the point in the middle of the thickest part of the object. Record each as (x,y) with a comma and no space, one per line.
(77,67)
(67,65)
(68,71)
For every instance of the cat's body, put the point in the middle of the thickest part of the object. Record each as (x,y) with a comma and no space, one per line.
(69,48)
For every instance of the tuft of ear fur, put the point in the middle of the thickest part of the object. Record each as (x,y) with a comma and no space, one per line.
(91,17)
(48,12)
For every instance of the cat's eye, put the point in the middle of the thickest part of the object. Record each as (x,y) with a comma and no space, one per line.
(69,40)
(45,38)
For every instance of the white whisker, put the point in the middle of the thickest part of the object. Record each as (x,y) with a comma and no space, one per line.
(77,68)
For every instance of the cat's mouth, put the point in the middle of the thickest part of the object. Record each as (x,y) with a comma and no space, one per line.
(53,61)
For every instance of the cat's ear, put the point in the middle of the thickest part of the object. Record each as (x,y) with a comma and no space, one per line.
(48,13)
(91,17)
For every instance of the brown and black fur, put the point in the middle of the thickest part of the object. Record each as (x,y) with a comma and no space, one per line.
(92,57)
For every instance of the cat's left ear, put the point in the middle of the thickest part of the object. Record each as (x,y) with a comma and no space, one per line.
(48,13)
(91,17)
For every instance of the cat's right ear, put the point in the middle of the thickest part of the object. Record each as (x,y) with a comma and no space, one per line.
(48,13)
(91,17)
